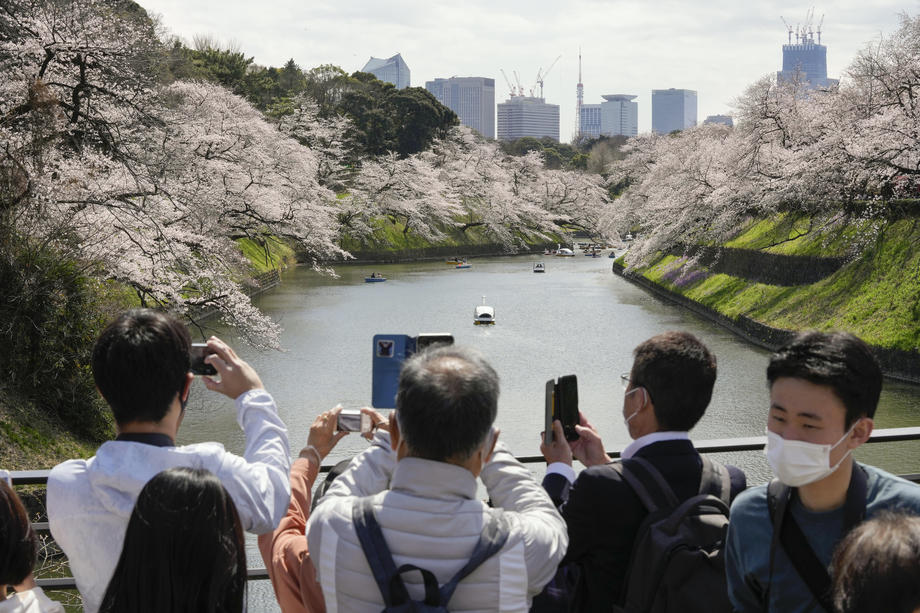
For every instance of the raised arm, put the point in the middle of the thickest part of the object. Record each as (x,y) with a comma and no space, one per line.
(513,488)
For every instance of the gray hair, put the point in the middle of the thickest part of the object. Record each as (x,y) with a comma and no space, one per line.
(446,402)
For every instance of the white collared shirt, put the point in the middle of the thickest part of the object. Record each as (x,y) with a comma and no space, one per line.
(566,470)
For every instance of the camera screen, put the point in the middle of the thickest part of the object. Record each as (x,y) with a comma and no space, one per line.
(198,352)
(349,421)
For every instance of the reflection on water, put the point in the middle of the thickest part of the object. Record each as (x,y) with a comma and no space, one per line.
(576,318)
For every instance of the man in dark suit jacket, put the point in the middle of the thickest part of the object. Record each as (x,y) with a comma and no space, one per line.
(666,393)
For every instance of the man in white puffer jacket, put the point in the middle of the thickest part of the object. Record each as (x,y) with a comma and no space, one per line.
(141,364)
(421,476)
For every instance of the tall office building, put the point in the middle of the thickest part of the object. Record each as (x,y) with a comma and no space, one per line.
(617,115)
(673,109)
(392,70)
(521,116)
(620,115)
(589,125)
(471,98)
(806,60)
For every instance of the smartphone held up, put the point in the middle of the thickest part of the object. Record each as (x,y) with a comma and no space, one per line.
(561,404)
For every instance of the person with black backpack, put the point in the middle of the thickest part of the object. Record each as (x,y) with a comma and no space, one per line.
(646,534)
(824,390)
(402,528)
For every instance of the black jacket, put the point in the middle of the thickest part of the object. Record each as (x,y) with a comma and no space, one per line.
(603,516)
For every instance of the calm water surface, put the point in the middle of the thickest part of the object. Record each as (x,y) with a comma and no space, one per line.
(576,318)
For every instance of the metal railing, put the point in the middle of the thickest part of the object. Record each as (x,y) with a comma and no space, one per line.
(752,443)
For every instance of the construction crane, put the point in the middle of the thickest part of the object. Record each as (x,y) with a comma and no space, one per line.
(508,81)
(788,27)
(820,23)
(542,75)
(517,80)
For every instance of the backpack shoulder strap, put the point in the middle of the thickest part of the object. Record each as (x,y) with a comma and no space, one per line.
(787,532)
(493,537)
(647,483)
(378,553)
(715,480)
(777,499)
(854,509)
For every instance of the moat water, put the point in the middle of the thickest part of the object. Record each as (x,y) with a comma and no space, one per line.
(576,318)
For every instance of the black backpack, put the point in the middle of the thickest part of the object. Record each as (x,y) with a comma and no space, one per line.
(677,561)
(388,577)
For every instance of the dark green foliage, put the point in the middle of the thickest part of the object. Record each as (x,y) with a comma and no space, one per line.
(387,119)
(383,118)
(575,156)
(50,315)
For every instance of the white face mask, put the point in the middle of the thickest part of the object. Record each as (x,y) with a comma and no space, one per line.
(635,389)
(798,463)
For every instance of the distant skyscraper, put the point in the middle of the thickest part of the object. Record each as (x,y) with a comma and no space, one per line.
(471,98)
(673,109)
(620,115)
(527,116)
(806,60)
(725,120)
(590,124)
(392,70)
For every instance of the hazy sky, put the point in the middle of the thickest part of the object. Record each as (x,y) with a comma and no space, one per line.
(716,47)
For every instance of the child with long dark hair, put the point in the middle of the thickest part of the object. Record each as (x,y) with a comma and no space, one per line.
(18,545)
(183,549)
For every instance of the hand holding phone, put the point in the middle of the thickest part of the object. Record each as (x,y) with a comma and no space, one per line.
(562,405)
(555,448)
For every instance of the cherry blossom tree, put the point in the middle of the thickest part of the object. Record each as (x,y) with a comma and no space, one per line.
(150,182)
(795,149)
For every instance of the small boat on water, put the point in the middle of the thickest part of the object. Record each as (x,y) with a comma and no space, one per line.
(483,315)
(565,252)
(456,260)
(463,264)
(539,267)
(375,278)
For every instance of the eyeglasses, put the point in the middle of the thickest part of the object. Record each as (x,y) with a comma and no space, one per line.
(624,379)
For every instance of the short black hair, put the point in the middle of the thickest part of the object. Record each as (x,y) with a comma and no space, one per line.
(140,363)
(838,360)
(678,372)
(17,540)
(183,549)
(446,402)
(875,568)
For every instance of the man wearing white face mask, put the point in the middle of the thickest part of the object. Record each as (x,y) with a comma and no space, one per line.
(824,389)
(665,394)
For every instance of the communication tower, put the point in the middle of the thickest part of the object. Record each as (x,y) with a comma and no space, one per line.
(579,99)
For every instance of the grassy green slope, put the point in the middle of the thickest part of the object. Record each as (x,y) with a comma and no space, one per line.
(875,295)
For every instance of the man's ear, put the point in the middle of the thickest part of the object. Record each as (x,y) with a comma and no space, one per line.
(394,431)
(186,389)
(488,455)
(861,432)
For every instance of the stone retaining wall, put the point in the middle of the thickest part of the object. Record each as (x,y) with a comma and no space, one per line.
(896,363)
(762,267)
